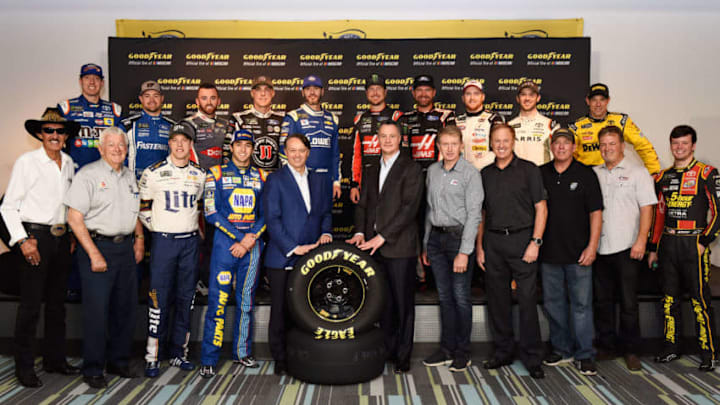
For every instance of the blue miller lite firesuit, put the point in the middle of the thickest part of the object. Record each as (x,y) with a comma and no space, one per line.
(148,136)
(93,119)
(233,205)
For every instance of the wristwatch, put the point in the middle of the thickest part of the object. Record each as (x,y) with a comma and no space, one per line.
(538,241)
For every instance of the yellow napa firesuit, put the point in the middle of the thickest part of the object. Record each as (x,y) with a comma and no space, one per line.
(586,131)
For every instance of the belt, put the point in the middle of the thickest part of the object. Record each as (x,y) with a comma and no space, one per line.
(56,230)
(448,229)
(508,231)
(682,232)
(113,239)
(183,235)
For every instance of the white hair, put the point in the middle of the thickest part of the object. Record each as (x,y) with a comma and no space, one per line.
(113,131)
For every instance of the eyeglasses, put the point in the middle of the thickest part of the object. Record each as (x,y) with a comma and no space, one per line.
(59,131)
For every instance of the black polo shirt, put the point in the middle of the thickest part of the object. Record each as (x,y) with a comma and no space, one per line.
(572,196)
(511,194)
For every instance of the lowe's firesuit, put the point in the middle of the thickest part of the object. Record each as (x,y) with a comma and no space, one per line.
(93,119)
(148,140)
(233,205)
(680,225)
(169,197)
(321,129)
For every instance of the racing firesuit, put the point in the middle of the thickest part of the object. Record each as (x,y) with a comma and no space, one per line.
(419,131)
(93,119)
(265,128)
(475,128)
(169,197)
(365,140)
(233,203)
(148,140)
(586,131)
(532,137)
(321,129)
(212,140)
(680,226)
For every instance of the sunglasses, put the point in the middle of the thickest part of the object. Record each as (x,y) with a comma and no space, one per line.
(59,131)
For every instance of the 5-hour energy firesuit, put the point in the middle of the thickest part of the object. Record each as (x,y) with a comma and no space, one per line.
(233,205)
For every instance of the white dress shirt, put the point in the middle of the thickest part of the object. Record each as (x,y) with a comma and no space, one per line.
(303,185)
(385,168)
(36,192)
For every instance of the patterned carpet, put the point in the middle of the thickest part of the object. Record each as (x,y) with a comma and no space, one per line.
(677,383)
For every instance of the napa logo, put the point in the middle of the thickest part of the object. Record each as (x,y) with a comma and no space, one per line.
(553,109)
(179,81)
(150,56)
(209,56)
(224,278)
(242,201)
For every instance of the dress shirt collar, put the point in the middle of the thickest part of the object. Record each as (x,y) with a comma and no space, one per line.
(621,164)
(295,173)
(390,161)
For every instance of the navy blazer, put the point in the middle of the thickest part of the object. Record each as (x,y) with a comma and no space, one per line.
(287,220)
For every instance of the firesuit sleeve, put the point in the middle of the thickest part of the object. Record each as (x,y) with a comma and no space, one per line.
(272,210)
(658,222)
(213,187)
(642,145)
(259,226)
(227,144)
(450,119)
(712,190)
(337,175)
(289,127)
(356,179)
(146,199)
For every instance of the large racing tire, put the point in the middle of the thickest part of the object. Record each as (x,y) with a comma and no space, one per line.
(336,291)
(335,362)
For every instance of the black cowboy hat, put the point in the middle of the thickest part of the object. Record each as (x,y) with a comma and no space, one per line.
(52,116)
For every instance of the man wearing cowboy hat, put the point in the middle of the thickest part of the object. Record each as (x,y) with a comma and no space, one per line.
(36,217)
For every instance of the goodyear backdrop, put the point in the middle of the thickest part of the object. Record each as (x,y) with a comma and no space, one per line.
(559,66)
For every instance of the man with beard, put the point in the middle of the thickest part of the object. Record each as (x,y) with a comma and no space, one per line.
(264,123)
(320,127)
(475,125)
(365,143)
(148,130)
(532,129)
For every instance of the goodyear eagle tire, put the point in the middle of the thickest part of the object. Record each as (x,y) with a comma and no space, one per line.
(336,291)
(335,362)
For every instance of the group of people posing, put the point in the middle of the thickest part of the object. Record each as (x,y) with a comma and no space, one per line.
(451,191)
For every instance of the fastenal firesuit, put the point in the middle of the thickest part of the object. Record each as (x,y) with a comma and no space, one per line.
(681,223)
(586,131)
(169,197)
(148,140)
(365,140)
(93,119)
(233,204)
(419,133)
(265,128)
(321,129)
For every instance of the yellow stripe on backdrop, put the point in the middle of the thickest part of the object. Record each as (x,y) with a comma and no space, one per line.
(350,29)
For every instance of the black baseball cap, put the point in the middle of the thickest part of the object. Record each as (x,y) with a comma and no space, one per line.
(375,79)
(560,133)
(423,80)
(598,89)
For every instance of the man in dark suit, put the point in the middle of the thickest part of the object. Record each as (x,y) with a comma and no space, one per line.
(298,216)
(385,221)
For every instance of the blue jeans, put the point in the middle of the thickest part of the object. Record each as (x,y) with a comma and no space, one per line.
(571,329)
(453,291)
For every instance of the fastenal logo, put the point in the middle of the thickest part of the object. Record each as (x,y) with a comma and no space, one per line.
(179,83)
(321,59)
(491,59)
(264,59)
(553,109)
(500,108)
(549,59)
(149,59)
(377,59)
(512,83)
(233,84)
(346,84)
(434,59)
(456,83)
(366,106)
(399,83)
(207,59)
(288,84)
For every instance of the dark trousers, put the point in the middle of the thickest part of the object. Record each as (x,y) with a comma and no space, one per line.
(453,291)
(616,275)
(109,300)
(46,282)
(279,320)
(398,320)
(503,263)
(684,269)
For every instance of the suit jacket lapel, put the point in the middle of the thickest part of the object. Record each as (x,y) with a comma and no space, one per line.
(296,187)
(394,171)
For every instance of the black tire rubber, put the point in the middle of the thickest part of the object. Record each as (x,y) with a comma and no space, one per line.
(335,362)
(332,273)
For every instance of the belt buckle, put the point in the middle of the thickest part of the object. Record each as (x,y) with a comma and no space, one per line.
(507,231)
(58,230)
(118,238)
